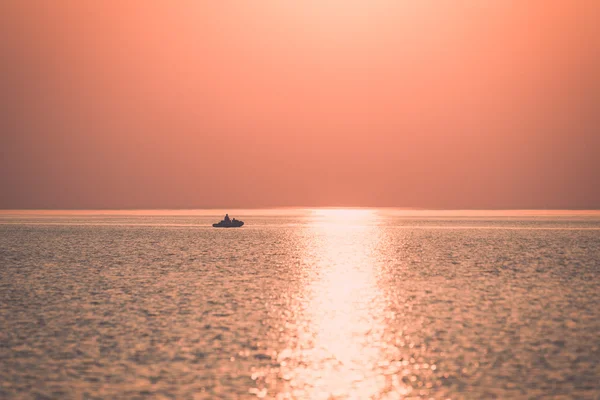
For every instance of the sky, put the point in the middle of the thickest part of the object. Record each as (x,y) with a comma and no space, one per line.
(212,104)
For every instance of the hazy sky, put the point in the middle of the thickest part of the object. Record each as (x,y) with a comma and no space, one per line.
(171,104)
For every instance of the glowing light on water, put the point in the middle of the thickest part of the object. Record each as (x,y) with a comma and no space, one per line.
(338,348)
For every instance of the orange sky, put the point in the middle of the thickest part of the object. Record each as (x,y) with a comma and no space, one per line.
(191,104)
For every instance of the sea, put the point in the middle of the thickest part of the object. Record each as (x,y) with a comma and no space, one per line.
(300,304)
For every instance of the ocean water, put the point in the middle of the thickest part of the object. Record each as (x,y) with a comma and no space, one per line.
(314,304)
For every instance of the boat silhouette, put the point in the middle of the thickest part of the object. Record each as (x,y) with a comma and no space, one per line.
(229,223)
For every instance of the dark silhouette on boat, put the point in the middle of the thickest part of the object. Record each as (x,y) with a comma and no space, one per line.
(229,223)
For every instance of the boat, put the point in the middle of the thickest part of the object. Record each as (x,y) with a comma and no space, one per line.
(229,223)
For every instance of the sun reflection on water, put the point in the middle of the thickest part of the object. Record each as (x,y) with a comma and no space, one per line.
(337,350)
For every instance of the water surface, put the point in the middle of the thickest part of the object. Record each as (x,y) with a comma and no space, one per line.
(314,304)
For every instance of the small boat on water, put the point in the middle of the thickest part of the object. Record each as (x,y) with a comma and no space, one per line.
(229,223)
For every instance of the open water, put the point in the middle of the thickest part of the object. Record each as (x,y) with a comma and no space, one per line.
(314,304)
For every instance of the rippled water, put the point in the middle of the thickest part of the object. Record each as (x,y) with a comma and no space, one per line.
(309,304)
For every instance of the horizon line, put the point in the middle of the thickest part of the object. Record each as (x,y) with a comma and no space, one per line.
(398,211)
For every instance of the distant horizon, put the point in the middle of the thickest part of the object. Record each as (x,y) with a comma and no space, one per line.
(301,207)
(399,211)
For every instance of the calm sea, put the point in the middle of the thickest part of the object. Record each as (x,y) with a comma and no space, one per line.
(314,304)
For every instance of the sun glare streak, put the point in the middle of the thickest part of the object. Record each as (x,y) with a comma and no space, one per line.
(338,347)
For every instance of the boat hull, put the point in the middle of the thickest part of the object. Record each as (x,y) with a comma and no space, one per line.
(236,224)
